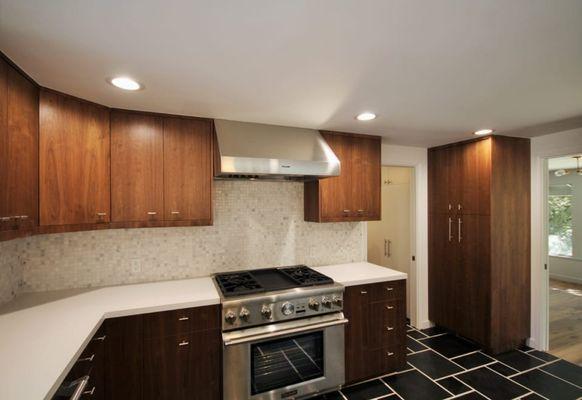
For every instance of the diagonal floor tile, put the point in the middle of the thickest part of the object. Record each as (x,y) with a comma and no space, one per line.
(502,369)
(542,355)
(519,360)
(492,384)
(454,385)
(433,364)
(412,385)
(565,370)
(366,391)
(548,385)
(473,360)
(449,345)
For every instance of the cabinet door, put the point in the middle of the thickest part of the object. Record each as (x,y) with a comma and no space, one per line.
(356,309)
(183,367)
(366,184)
(124,358)
(475,196)
(137,192)
(443,269)
(187,170)
(18,150)
(336,192)
(74,161)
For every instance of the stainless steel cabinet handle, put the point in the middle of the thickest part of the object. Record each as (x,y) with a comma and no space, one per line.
(450,229)
(361,211)
(89,359)
(459,207)
(389,307)
(152,213)
(175,212)
(389,248)
(183,319)
(80,383)
(389,353)
(4,219)
(23,216)
(363,292)
(385,245)
(460,230)
(184,343)
(450,207)
(89,392)
(346,211)
(389,288)
(389,328)
(101,214)
(100,338)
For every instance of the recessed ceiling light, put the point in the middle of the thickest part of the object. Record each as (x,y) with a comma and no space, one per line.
(125,83)
(482,132)
(366,116)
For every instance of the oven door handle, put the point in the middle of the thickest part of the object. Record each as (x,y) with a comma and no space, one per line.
(252,337)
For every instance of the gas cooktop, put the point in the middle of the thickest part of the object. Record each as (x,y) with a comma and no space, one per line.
(241,283)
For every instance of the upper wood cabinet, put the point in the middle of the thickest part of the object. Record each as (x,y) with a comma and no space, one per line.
(161,169)
(18,150)
(137,162)
(355,194)
(74,161)
(187,169)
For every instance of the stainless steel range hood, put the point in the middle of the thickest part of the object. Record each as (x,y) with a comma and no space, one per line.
(258,151)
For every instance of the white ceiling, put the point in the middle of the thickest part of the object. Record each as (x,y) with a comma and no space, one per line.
(433,71)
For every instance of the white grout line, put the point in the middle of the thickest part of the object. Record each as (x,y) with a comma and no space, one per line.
(419,351)
(511,380)
(433,336)
(435,382)
(466,354)
(531,369)
(549,373)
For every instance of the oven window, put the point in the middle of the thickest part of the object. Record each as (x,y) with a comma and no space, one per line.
(282,362)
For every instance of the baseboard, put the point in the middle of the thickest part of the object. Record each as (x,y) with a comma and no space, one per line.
(566,278)
(424,324)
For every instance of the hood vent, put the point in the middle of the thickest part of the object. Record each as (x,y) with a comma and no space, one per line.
(266,152)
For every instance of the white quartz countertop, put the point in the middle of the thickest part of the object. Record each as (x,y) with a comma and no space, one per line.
(360,273)
(42,334)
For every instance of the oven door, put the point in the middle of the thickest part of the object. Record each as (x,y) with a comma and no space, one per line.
(286,360)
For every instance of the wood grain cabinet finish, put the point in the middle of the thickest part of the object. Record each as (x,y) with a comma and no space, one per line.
(137,167)
(355,194)
(376,331)
(187,170)
(18,151)
(479,240)
(74,161)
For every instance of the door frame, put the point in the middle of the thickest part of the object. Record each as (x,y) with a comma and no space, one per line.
(540,277)
(415,158)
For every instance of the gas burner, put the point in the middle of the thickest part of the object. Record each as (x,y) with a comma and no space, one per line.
(237,283)
(306,276)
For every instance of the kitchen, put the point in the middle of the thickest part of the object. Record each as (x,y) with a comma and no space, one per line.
(199,231)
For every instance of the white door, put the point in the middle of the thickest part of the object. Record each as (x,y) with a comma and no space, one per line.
(389,241)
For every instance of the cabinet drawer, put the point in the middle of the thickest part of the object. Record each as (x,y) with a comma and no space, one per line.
(177,322)
(388,290)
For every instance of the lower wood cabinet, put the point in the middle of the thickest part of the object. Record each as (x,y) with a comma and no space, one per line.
(376,332)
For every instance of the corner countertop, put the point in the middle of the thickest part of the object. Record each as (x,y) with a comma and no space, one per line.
(42,334)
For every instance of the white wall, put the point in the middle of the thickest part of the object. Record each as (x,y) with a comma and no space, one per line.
(405,156)
(544,147)
(566,268)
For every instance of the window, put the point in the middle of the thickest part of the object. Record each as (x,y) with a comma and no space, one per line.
(560,229)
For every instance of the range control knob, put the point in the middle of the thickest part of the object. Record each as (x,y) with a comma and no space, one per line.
(313,304)
(287,308)
(244,314)
(326,301)
(338,301)
(230,317)
(266,312)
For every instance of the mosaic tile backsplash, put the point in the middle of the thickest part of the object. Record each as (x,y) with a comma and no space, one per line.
(256,225)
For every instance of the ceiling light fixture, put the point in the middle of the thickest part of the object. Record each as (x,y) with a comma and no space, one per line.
(125,83)
(482,132)
(564,172)
(366,116)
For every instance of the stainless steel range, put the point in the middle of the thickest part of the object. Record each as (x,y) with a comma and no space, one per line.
(282,332)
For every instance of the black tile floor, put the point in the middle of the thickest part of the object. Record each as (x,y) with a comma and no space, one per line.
(441,366)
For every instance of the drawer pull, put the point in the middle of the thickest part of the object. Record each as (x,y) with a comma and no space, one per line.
(363,292)
(389,328)
(184,343)
(89,392)
(389,353)
(100,338)
(360,211)
(88,359)
(389,307)
(346,211)
(175,212)
(152,213)
(183,319)
(101,214)
(389,289)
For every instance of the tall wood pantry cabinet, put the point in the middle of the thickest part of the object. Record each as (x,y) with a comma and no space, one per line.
(479,240)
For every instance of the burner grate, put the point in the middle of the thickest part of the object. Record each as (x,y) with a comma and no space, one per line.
(238,283)
(305,276)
